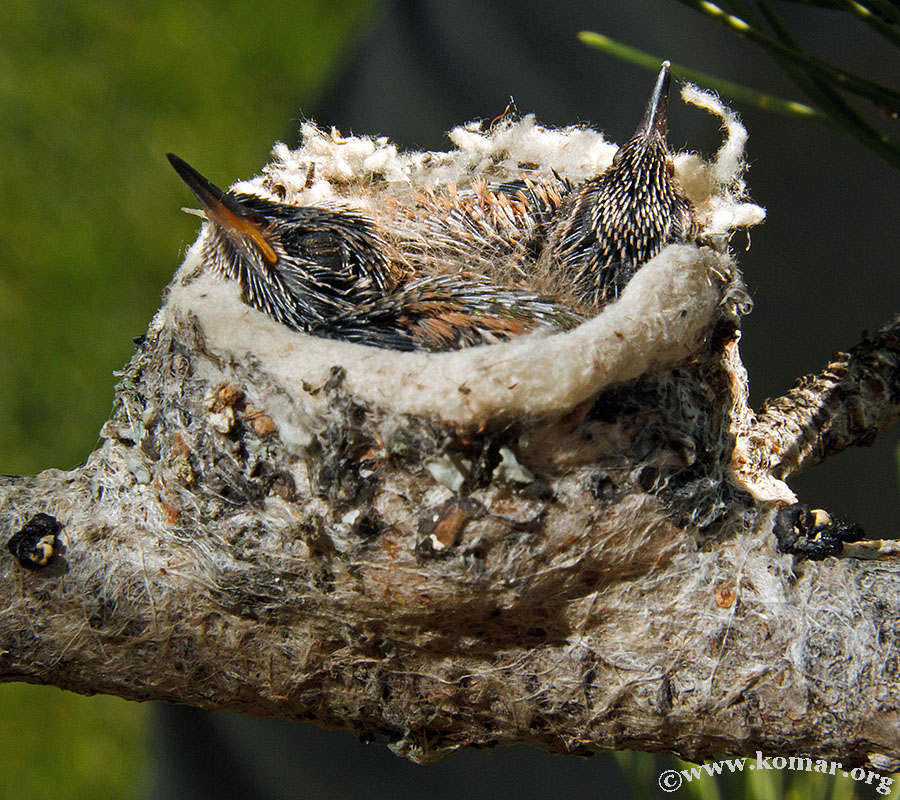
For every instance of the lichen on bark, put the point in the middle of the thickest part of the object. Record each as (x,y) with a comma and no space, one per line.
(563,540)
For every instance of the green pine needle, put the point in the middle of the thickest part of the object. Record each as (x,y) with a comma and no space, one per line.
(734,91)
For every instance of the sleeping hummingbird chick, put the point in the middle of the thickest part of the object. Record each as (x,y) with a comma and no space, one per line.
(325,271)
(333,272)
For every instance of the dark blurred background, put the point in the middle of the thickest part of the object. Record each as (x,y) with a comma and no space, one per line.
(93,95)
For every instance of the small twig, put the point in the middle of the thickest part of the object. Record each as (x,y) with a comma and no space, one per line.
(884,8)
(872,19)
(807,73)
(878,94)
(734,91)
(816,3)
(846,405)
(819,89)
(887,9)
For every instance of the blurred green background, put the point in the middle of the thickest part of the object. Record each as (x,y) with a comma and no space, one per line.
(92,95)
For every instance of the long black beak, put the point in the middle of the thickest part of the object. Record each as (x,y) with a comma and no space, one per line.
(211,197)
(656,115)
(223,209)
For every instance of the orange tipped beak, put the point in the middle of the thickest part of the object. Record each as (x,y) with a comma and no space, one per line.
(222,209)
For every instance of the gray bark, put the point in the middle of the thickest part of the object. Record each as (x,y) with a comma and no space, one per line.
(588,571)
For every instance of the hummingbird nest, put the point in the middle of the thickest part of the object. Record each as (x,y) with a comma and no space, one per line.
(563,538)
(669,307)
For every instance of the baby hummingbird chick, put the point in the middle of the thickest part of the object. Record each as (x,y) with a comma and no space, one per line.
(609,226)
(325,271)
(453,268)
(301,265)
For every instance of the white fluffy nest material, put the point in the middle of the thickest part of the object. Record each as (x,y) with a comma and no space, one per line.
(656,322)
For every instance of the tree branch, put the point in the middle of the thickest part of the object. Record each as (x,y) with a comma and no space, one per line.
(854,398)
(561,540)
